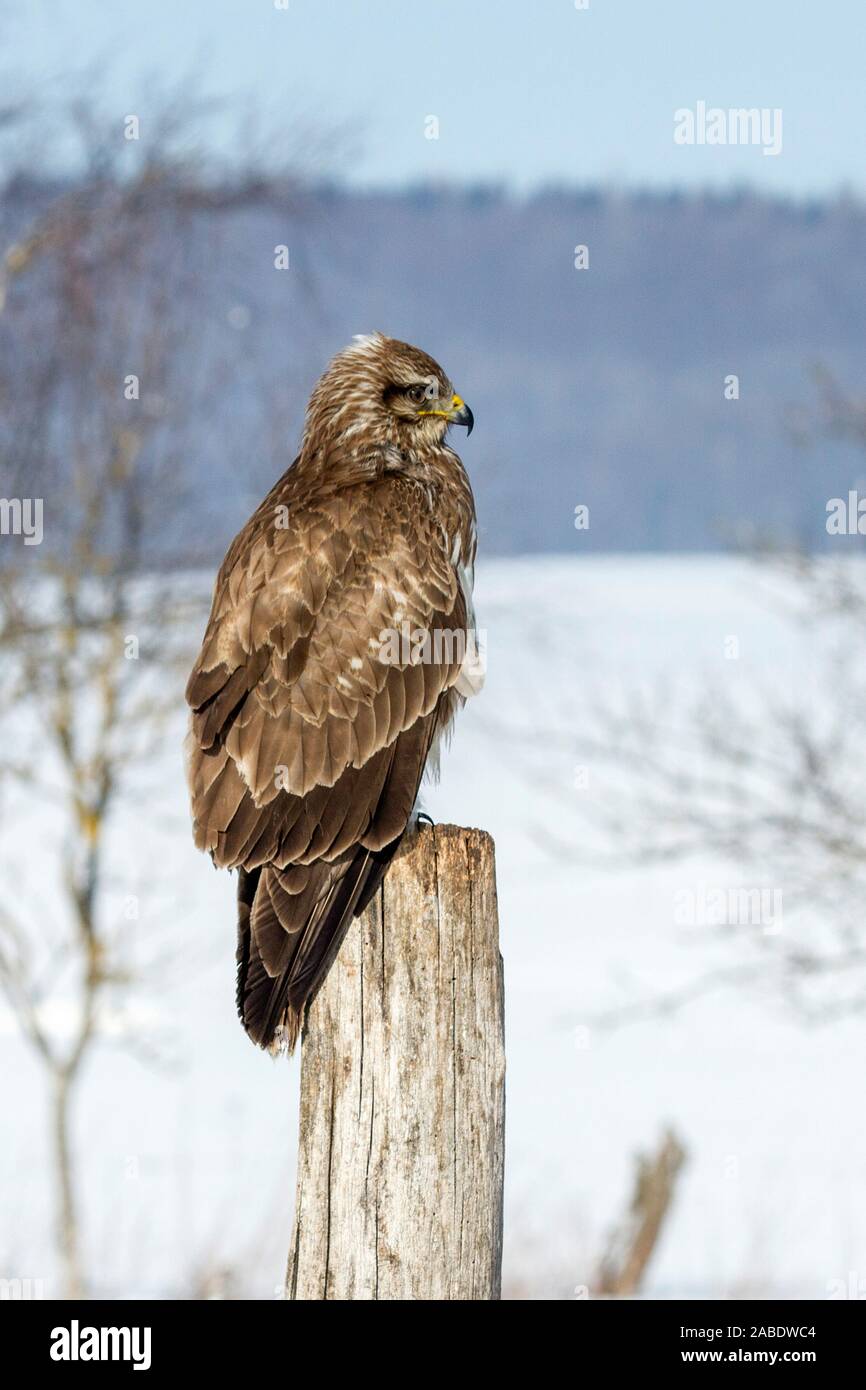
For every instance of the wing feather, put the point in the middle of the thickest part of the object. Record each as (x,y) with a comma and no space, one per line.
(307,745)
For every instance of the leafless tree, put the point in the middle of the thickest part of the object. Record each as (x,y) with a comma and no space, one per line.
(105,304)
(766,779)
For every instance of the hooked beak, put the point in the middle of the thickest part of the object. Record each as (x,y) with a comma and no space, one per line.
(461,415)
(458,413)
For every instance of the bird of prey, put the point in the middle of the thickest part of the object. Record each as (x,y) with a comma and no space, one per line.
(340,643)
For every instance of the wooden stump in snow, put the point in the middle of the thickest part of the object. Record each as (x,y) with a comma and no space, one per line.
(400,1163)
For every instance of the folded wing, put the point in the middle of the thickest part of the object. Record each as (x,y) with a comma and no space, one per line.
(315,701)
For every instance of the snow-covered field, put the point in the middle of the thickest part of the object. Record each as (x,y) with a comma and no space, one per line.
(187,1167)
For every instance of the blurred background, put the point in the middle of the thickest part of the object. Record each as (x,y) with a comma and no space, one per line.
(633,235)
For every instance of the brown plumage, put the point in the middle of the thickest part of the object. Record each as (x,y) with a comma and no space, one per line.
(340,642)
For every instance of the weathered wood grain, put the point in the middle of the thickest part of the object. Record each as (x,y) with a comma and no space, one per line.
(400,1164)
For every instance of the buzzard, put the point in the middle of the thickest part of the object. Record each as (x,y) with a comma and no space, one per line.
(340,643)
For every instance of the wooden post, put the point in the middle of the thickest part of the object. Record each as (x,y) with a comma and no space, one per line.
(402,1123)
(631,1245)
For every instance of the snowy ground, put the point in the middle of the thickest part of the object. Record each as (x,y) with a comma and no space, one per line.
(187,1169)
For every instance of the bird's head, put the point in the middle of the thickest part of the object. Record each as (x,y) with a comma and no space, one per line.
(383,389)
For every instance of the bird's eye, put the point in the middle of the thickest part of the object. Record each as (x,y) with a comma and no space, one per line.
(417,394)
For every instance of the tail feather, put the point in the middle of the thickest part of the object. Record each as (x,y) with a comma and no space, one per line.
(292,920)
(271,1001)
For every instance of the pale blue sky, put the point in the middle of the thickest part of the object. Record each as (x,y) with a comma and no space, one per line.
(526,92)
